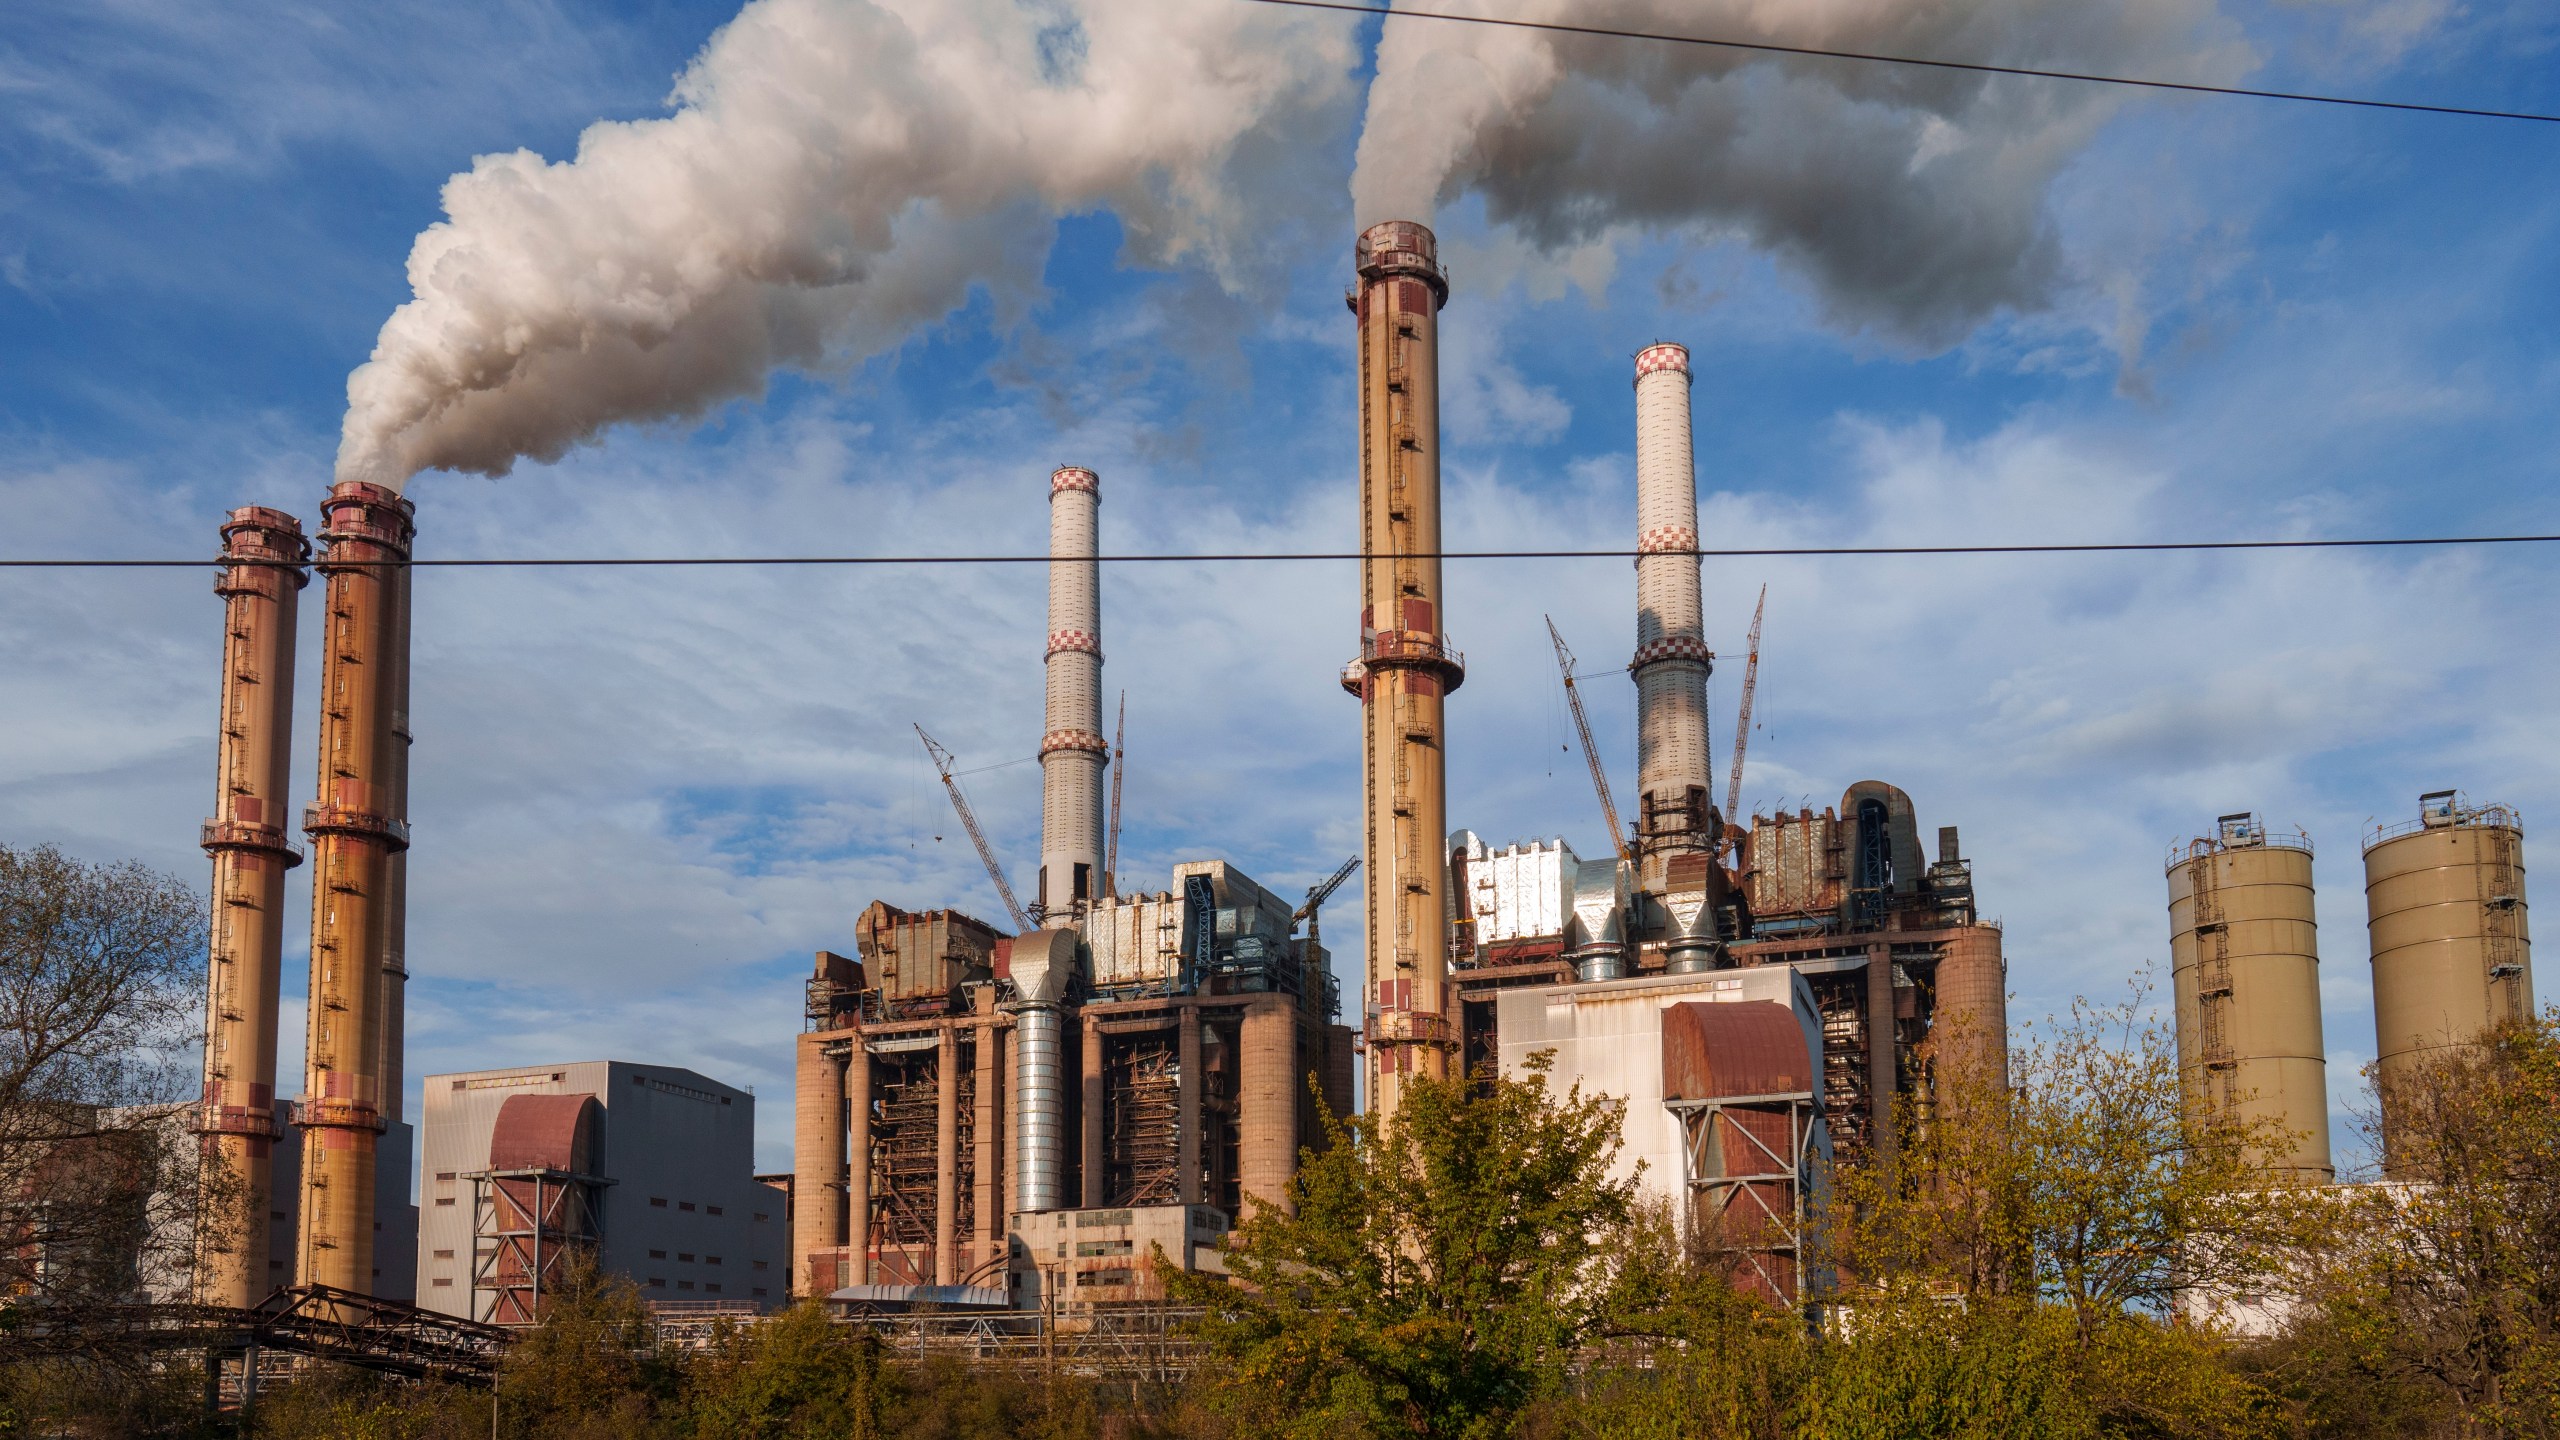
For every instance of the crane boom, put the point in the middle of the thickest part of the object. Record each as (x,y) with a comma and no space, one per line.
(977,837)
(1590,752)
(1318,894)
(1111,853)
(1742,726)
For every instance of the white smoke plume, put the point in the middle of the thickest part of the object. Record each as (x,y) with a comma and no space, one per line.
(1913,199)
(834,174)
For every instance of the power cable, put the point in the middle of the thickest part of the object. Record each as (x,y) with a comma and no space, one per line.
(1756,552)
(1814,52)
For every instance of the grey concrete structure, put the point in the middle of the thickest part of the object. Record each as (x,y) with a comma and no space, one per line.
(683,1214)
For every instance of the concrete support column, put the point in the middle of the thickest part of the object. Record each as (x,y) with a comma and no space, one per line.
(987,1181)
(1268,1089)
(946,1159)
(1882,1068)
(817,1161)
(1093,1168)
(857,1179)
(1187,1144)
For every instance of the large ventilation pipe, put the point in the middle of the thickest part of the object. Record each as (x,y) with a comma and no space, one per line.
(1671,661)
(355,830)
(1406,668)
(1042,966)
(260,583)
(1072,750)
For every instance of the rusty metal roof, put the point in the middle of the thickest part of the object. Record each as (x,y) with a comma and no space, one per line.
(547,1132)
(1719,1050)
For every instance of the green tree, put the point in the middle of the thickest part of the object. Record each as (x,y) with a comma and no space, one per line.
(796,1374)
(592,1370)
(1427,1278)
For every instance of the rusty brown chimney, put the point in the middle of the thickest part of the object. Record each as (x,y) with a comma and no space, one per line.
(261,579)
(356,831)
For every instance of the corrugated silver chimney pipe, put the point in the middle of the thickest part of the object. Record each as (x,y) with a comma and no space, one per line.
(1043,965)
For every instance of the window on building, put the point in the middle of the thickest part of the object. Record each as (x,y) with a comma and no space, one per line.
(710,1259)
(761,1217)
(441,1283)
(444,1254)
(762,1265)
(684,1284)
(710,1209)
(759,1292)
(713,1287)
(657,1254)
(685,1255)
(658,1201)
(444,1199)
(656,1283)
(444,1177)
(684,1204)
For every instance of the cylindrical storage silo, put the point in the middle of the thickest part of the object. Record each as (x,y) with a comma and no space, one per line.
(2244,958)
(2452,958)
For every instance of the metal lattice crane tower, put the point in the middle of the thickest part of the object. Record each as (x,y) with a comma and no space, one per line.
(1742,725)
(1119,752)
(1316,896)
(977,837)
(1590,752)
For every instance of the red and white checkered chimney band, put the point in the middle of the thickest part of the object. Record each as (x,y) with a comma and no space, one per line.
(1071,641)
(1670,647)
(1673,539)
(1057,740)
(1662,357)
(1075,477)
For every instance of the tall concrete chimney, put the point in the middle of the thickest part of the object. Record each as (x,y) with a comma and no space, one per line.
(356,830)
(1671,662)
(261,580)
(392,1050)
(1406,668)
(1072,750)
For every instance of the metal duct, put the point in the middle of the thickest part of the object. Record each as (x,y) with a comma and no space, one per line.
(1406,668)
(1043,966)
(260,582)
(1671,662)
(1693,945)
(1072,750)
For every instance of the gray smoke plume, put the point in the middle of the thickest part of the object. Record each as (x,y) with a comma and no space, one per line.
(1913,199)
(835,173)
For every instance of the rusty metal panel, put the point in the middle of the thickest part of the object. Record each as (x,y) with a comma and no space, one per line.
(1719,1051)
(1793,865)
(546,1132)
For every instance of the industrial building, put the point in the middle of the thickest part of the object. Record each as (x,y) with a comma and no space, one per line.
(1116,1055)
(646,1170)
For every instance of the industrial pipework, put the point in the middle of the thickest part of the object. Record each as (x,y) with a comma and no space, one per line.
(1671,661)
(264,555)
(1406,668)
(356,828)
(1072,750)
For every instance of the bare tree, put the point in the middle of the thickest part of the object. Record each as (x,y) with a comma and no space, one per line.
(101,988)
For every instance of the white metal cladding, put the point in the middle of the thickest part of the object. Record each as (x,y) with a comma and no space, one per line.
(1072,748)
(1671,650)
(1135,940)
(1522,892)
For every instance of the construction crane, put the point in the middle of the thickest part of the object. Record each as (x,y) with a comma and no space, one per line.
(1111,853)
(977,837)
(1742,726)
(1318,894)
(1590,752)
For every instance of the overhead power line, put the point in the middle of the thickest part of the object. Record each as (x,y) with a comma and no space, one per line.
(1766,47)
(1749,552)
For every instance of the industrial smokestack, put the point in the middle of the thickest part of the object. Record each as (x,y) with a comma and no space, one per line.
(1406,668)
(262,576)
(1671,662)
(392,1049)
(356,829)
(1072,750)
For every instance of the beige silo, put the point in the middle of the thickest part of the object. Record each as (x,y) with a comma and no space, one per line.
(2452,957)
(2244,959)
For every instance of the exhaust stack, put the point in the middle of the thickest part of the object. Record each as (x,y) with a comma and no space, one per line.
(260,583)
(1072,751)
(1671,662)
(356,829)
(1406,668)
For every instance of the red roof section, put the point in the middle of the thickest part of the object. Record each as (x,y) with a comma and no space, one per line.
(547,1132)
(1719,1050)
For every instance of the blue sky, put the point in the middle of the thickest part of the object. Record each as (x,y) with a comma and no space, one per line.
(642,798)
